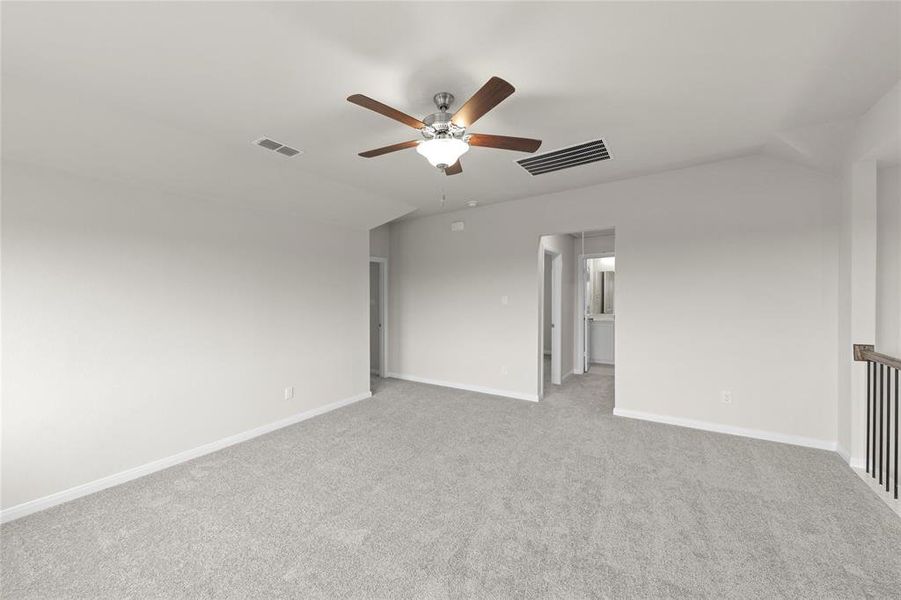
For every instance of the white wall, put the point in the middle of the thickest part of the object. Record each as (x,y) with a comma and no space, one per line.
(597,244)
(380,241)
(877,137)
(137,325)
(888,261)
(752,308)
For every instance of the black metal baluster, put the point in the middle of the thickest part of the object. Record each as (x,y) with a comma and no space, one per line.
(873,420)
(888,427)
(873,425)
(869,415)
(881,407)
(896,434)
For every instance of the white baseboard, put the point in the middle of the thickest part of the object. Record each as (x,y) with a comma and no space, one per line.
(846,456)
(467,387)
(840,450)
(729,429)
(879,490)
(39,504)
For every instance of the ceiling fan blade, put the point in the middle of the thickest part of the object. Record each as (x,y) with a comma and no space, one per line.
(454,169)
(490,95)
(387,149)
(504,142)
(384,109)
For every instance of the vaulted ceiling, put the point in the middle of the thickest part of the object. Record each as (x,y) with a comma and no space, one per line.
(171,94)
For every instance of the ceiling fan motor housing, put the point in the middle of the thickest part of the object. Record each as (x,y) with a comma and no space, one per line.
(443,100)
(439,124)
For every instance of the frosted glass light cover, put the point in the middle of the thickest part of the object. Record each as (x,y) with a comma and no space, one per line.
(442,152)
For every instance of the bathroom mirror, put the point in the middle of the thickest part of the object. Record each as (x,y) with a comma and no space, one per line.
(601,285)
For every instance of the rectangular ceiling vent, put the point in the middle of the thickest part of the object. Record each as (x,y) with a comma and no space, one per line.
(565,158)
(277,147)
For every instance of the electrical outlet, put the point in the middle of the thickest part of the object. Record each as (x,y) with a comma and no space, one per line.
(504,370)
(505,300)
(289,392)
(726,397)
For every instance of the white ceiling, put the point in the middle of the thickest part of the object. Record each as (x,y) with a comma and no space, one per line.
(171,94)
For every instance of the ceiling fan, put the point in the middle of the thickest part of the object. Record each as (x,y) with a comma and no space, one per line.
(445,138)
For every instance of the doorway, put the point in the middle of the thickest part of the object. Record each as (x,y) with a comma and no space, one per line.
(551,309)
(378,316)
(597,282)
(595,302)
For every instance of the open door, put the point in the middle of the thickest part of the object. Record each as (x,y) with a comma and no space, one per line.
(378,316)
(551,314)
(586,315)
(375,319)
(556,317)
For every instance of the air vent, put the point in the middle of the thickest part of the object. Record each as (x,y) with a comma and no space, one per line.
(565,158)
(277,147)
(288,151)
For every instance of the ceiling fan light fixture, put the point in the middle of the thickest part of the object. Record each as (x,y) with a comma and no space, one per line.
(442,152)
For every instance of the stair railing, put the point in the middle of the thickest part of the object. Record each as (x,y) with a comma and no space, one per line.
(882,417)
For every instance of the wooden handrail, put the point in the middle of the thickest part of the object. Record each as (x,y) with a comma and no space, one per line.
(867,352)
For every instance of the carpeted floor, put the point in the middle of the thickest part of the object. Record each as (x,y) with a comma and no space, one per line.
(425,492)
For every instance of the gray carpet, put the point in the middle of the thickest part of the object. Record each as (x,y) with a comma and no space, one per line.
(426,492)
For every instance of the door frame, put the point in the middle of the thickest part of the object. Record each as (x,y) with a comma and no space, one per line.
(383,314)
(581,325)
(556,317)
